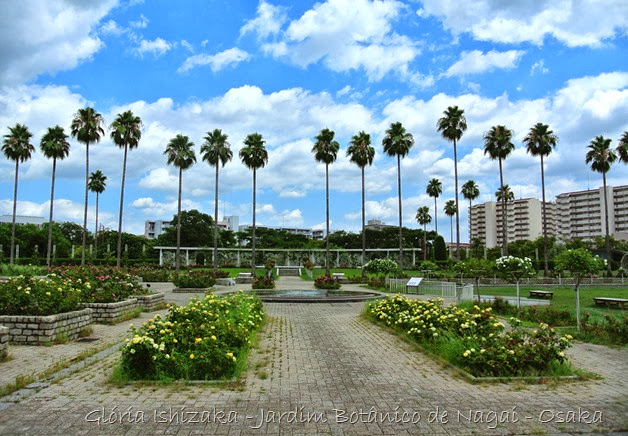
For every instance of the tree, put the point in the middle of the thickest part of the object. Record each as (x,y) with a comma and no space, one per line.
(216,150)
(362,154)
(54,145)
(470,191)
(622,148)
(382,266)
(254,156)
(97,183)
(325,150)
(180,153)
(601,157)
(541,141)
(452,126)
(424,218)
(515,268)
(498,145)
(126,132)
(440,248)
(476,269)
(450,211)
(581,263)
(434,189)
(505,194)
(397,142)
(196,230)
(17,147)
(87,128)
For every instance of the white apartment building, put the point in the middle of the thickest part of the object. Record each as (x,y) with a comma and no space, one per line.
(152,229)
(23,219)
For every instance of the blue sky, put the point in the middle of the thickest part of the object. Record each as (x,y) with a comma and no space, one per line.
(287,70)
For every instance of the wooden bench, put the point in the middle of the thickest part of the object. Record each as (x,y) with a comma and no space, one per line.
(620,303)
(542,294)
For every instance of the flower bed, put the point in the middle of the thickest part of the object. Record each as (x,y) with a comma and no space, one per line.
(263,283)
(149,302)
(36,330)
(474,341)
(204,340)
(195,279)
(110,313)
(154,274)
(324,282)
(39,297)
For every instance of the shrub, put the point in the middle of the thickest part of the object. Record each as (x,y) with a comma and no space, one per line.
(324,282)
(610,330)
(39,297)
(110,289)
(309,264)
(195,279)
(201,341)
(382,266)
(220,274)
(154,274)
(263,283)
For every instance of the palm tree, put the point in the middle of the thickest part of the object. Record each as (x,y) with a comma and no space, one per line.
(622,148)
(452,126)
(541,141)
(17,147)
(505,193)
(470,191)
(601,157)
(54,144)
(254,155)
(216,150)
(424,218)
(498,145)
(450,211)
(361,153)
(434,189)
(180,153)
(97,183)
(126,131)
(87,128)
(398,142)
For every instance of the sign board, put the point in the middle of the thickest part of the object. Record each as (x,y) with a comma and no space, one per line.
(414,281)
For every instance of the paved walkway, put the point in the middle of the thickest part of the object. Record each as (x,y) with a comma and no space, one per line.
(321,369)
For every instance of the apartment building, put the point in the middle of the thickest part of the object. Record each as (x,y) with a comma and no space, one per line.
(152,229)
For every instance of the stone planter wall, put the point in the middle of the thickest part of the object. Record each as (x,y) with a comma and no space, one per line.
(149,302)
(36,330)
(189,290)
(4,342)
(108,313)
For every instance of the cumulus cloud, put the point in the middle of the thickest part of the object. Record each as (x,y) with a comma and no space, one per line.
(157,47)
(268,20)
(474,62)
(217,62)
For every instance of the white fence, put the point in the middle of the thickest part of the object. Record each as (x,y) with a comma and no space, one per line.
(440,289)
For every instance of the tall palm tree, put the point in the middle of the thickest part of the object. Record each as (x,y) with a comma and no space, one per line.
(424,218)
(622,148)
(17,147)
(216,150)
(505,195)
(601,157)
(540,141)
(397,142)
(54,145)
(362,154)
(325,150)
(498,145)
(434,189)
(470,191)
(450,211)
(126,131)
(97,183)
(452,126)
(180,153)
(87,128)
(254,155)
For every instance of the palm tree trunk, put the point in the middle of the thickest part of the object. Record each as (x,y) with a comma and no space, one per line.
(545,262)
(400,212)
(96,232)
(12,255)
(52,196)
(424,241)
(363,230)
(85,213)
(607,241)
(469,222)
(177,266)
(253,241)
(121,206)
(435,217)
(504,218)
(451,230)
(457,209)
(216,223)
(327,269)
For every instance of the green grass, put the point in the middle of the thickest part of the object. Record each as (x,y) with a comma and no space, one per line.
(317,272)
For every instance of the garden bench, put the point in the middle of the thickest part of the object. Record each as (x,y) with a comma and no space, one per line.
(542,294)
(340,277)
(620,303)
(244,278)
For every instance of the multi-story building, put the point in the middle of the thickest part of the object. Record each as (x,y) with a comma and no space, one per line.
(376,225)
(310,233)
(23,219)
(152,229)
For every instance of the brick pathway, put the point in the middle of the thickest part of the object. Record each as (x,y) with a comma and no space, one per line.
(316,368)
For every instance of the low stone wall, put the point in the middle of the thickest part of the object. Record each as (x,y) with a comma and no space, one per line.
(4,342)
(108,313)
(149,302)
(36,330)
(189,290)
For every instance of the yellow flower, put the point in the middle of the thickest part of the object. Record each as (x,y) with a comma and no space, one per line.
(132,351)
(197,340)
(191,356)
(175,340)
(213,338)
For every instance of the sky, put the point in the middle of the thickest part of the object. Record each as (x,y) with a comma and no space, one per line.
(289,69)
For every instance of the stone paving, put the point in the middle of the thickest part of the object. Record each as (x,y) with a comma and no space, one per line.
(321,369)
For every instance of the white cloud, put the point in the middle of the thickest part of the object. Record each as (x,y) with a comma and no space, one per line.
(217,62)
(151,208)
(539,67)
(474,62)
(572,22)
(161,179)
(141,23)
(156,47)
(291,194)
(268,20)
(111,28)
